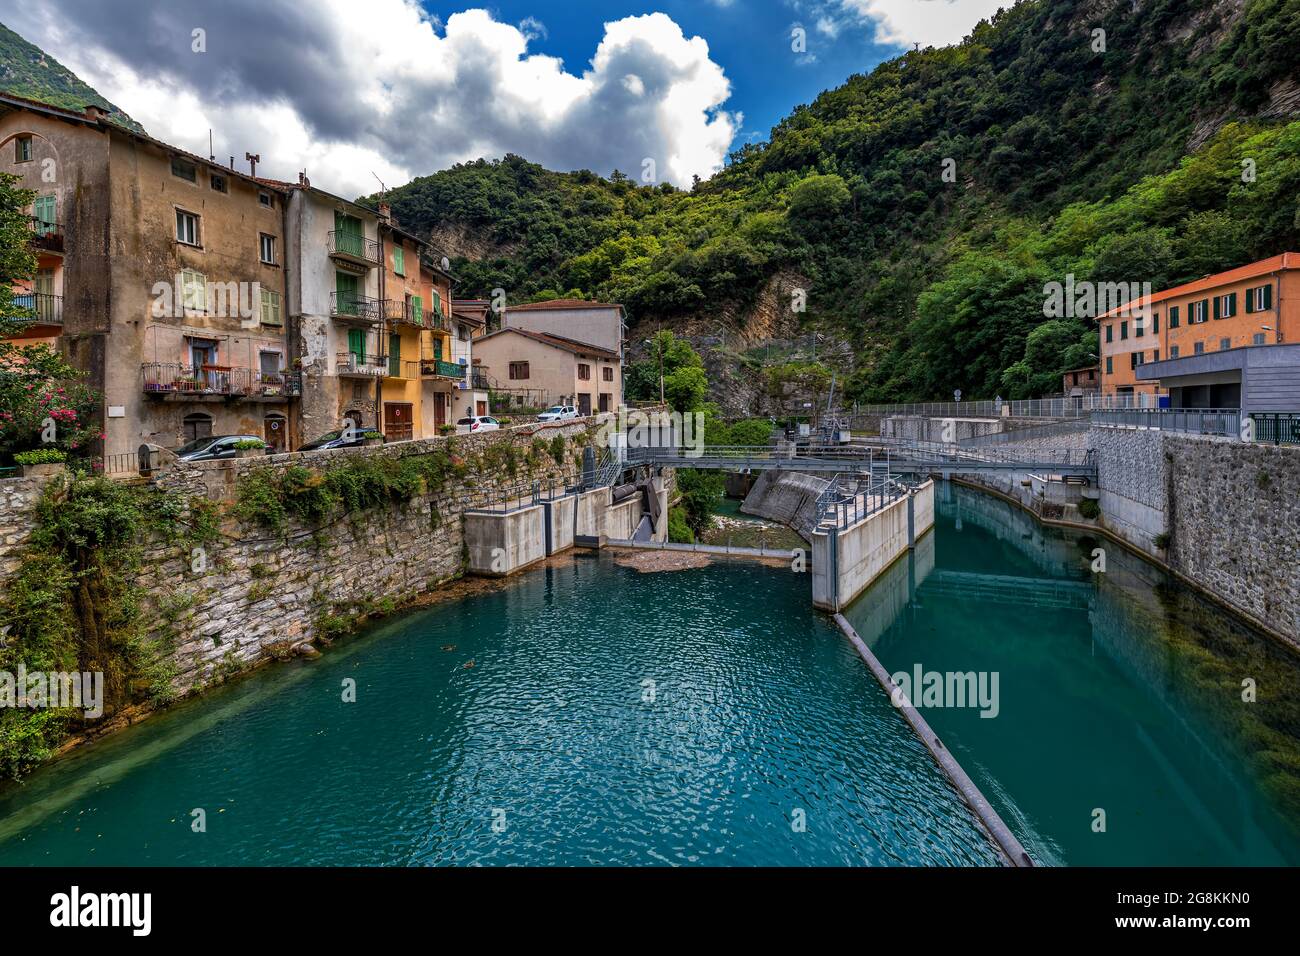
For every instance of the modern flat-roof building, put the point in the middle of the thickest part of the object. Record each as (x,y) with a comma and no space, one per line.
(1186,346)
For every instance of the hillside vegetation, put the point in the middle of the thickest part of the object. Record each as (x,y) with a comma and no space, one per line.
(27,70)
(1117,165)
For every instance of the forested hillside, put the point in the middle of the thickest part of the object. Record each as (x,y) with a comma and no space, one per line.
(1115,164)
(26,70)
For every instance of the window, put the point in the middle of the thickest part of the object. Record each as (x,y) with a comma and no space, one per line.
(1225,306)
(1258,339)
(1110,365)
(417,309)
(1259,299)
(1110,333)
(269,364)
(23,149)
(518,370)
(607,373)
(184,169)
(1155,355)
(437,304)
(1173,351)
(584,371)
(45,212)
(1123,331)
(187,228)
(1173,316)
(271,308)
(194,290)
(266,246)
(1198,348)
(266,200)
(218,183)
(1136,358)
(1155,322)
(399,260)
(1198,311)
(1225,344)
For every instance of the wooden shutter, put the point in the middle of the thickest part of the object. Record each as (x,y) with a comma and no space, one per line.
(357,343)
(417,310)
(1268,297)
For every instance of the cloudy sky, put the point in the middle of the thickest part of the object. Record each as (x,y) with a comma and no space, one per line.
(362,91)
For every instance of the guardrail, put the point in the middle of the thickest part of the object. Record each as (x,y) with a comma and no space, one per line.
(353,305)
(353,246)
(166,378)
(849,499)
(46,308)
(46,235)
(1191,421)
(1071,426)
(1059,407)
(1277,428)
(360,363)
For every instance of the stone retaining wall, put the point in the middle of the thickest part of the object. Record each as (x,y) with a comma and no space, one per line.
(261,594)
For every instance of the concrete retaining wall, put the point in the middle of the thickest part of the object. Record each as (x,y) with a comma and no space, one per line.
(500,543)
(847,562)
(560,519)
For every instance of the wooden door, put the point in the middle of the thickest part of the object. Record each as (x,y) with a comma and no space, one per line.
(398,421)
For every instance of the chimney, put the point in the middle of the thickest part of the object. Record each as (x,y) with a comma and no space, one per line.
(96,113)
(303,180)
(253,160)
(385,211)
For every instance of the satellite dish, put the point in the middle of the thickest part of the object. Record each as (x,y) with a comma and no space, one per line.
(446,263)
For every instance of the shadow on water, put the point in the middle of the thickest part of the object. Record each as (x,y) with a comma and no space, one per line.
(1121,693)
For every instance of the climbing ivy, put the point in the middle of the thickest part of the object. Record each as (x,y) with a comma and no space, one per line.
(73,604)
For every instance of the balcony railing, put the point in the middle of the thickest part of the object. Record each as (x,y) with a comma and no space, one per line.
(165,378)
(354,306)
(441,369)
(353,247)
(47,309)
(478,380)
(1193,421)
(46,235)
(1277,428)
(360,364)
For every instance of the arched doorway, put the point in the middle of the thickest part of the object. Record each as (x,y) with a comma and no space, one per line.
(275,429)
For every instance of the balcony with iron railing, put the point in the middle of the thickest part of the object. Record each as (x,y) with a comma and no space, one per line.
(353,248)
(176,380)
(437,368)
(46,235)
(360,365)
(354,307)
(45,308)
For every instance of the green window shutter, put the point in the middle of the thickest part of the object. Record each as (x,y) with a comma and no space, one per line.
(1218,307)
(399,260)
(394,355)
(1250,301)
(437,349)
(1232,304)
(357,343)
(43,210)
(437,304)
(1268,297)
(417,310)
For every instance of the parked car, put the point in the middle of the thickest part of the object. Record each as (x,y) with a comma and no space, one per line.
(558,413)
(212,447)
(337,439)
(477,423)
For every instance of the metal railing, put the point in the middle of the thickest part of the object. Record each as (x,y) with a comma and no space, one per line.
(1276,428)
(354,246)
(46,309)
(163,378)
(438,367)
(46,235)
(850,498)
(1072,426)
(1192,421)
(1057,407)
(353,305)
(360,363)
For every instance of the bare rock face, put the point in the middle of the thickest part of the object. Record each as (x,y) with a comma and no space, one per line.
(1283,100)
(470,242)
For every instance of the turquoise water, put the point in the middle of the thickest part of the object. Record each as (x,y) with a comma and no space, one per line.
(1119,691)
(760,709)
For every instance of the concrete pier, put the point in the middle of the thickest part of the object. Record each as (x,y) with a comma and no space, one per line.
(845,561)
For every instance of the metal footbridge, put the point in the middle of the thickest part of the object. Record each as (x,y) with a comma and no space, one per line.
(878,457)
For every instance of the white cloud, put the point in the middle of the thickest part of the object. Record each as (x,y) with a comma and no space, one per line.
(347,89)
(927,22)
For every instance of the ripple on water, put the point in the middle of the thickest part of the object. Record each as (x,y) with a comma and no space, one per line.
(610,717)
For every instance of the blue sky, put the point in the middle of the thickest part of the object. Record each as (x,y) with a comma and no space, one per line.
(749,39)
(358,92)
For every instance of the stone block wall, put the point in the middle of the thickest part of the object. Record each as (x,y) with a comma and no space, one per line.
(257,594)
